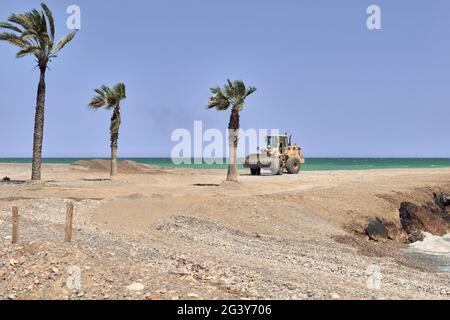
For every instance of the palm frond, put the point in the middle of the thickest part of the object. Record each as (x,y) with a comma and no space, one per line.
(63,41)
(119,91)
(34,17)
(250,91)
(30,50)
(228,89)
(97,102)
(240,89)
(51,20)
(108,97)
(34,34)
(219,102)
(30,34)
(9,26)
(14,40)
(103,91)
(233,93)
(216,90)
(22,20)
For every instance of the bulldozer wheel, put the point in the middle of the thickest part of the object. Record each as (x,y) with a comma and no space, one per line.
(293,166)
(255,172)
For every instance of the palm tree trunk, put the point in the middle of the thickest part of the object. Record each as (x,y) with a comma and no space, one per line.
(114,169)
(233,132)
(115,124)
(38,127)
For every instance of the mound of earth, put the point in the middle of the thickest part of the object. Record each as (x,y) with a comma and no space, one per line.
(125,166)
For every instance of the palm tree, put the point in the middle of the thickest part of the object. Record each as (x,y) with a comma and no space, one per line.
(232,94)
(34,33)
(110,98)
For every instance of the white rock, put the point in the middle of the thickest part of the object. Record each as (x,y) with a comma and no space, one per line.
(136,287)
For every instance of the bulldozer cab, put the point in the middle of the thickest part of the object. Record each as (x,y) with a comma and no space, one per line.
(279,143)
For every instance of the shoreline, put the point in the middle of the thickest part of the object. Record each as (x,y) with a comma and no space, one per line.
(312,164)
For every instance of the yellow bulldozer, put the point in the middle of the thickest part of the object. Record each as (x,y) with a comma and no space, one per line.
(279,156)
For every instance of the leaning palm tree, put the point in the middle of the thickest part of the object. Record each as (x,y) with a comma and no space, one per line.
(232,94)
(110,98)
(34,33)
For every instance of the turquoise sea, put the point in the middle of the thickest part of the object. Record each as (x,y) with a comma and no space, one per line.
(312,164)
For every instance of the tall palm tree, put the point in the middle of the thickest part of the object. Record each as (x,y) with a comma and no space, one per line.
(34,33)
(110,98)
(232,94)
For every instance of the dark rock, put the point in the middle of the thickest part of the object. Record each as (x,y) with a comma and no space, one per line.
(447,219)
(435,208)
(376,230)
(416,220)
(6,179)
(442,198)
(397,234)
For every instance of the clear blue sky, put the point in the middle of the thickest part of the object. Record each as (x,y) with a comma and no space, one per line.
(341,89)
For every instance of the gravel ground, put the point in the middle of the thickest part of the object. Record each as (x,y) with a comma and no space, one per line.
(195,257)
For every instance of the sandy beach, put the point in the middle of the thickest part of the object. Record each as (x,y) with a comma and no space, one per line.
(168,233)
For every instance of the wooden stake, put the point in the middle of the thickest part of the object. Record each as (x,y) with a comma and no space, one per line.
(15,225)
(69,222)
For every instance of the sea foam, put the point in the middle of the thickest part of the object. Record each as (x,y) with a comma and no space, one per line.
(433,251)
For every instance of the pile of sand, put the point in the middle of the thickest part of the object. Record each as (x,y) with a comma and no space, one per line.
(125,166)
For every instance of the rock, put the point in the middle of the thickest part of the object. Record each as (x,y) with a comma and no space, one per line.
(442,201)
(376,230)
(442,198)
(396,234)
(6,179)
(193,295)
(136,287)
(416,220)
